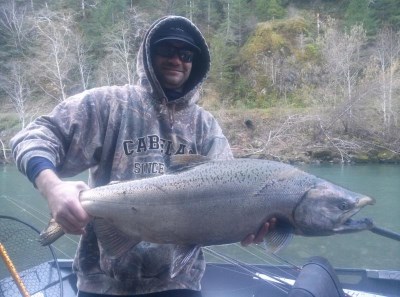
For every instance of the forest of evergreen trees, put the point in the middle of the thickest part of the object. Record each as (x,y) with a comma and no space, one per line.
(336,59)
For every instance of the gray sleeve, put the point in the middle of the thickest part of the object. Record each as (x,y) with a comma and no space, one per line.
(70,137)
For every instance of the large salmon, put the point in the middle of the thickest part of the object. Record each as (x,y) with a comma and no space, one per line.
(219,202)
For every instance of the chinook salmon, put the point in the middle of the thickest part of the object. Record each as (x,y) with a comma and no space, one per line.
(219,202)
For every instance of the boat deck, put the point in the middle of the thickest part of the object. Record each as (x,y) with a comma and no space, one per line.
(220,280)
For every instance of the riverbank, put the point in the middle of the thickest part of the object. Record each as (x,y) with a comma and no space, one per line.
(298,136)
(290,136)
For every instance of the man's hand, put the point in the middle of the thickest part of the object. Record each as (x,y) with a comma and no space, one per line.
(63,200)
(258,238)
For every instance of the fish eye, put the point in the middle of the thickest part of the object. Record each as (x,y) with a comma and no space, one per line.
(343,206)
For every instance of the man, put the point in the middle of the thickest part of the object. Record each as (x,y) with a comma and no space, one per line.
(121,133)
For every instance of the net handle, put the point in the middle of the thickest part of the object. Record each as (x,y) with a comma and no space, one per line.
(14,274)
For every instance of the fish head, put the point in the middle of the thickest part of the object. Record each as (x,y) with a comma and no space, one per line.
(326,209)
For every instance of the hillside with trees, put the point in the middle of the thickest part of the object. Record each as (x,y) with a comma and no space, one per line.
(290,80)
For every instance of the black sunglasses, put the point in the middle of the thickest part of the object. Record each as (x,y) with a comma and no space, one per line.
(169,51)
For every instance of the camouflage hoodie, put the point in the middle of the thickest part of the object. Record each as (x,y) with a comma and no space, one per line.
(121,133)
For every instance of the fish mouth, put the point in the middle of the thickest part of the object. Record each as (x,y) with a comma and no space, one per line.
(349,225)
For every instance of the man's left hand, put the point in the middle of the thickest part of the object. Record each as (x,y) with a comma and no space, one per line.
(258,238)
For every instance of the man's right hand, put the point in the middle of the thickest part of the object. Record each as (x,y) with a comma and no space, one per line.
(63,200)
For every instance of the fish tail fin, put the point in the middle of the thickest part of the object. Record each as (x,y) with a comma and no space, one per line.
(184,258)
(278,238)
(51,233)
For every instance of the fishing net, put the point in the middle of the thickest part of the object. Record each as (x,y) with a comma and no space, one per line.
(35,266)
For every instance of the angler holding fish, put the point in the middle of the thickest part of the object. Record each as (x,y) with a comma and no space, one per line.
(125,133)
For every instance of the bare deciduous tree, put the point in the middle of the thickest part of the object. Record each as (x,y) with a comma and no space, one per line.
(120,49)
(56,58)
(82,56)
(388,58)
(13,20)
(16,86)
(341,52)
(14,79)
(4,149)
(122,45)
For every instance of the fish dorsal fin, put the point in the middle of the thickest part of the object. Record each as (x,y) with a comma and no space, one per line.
(114,242)
(184,258)
(185,162)
(279,237)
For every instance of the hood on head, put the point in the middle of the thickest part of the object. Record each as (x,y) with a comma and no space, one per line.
(200,66)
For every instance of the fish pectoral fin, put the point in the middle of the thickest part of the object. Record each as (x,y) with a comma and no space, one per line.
(114,242)
(279,237)
(184,258)
(186,162)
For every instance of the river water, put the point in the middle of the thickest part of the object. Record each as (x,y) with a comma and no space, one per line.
(18,198)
